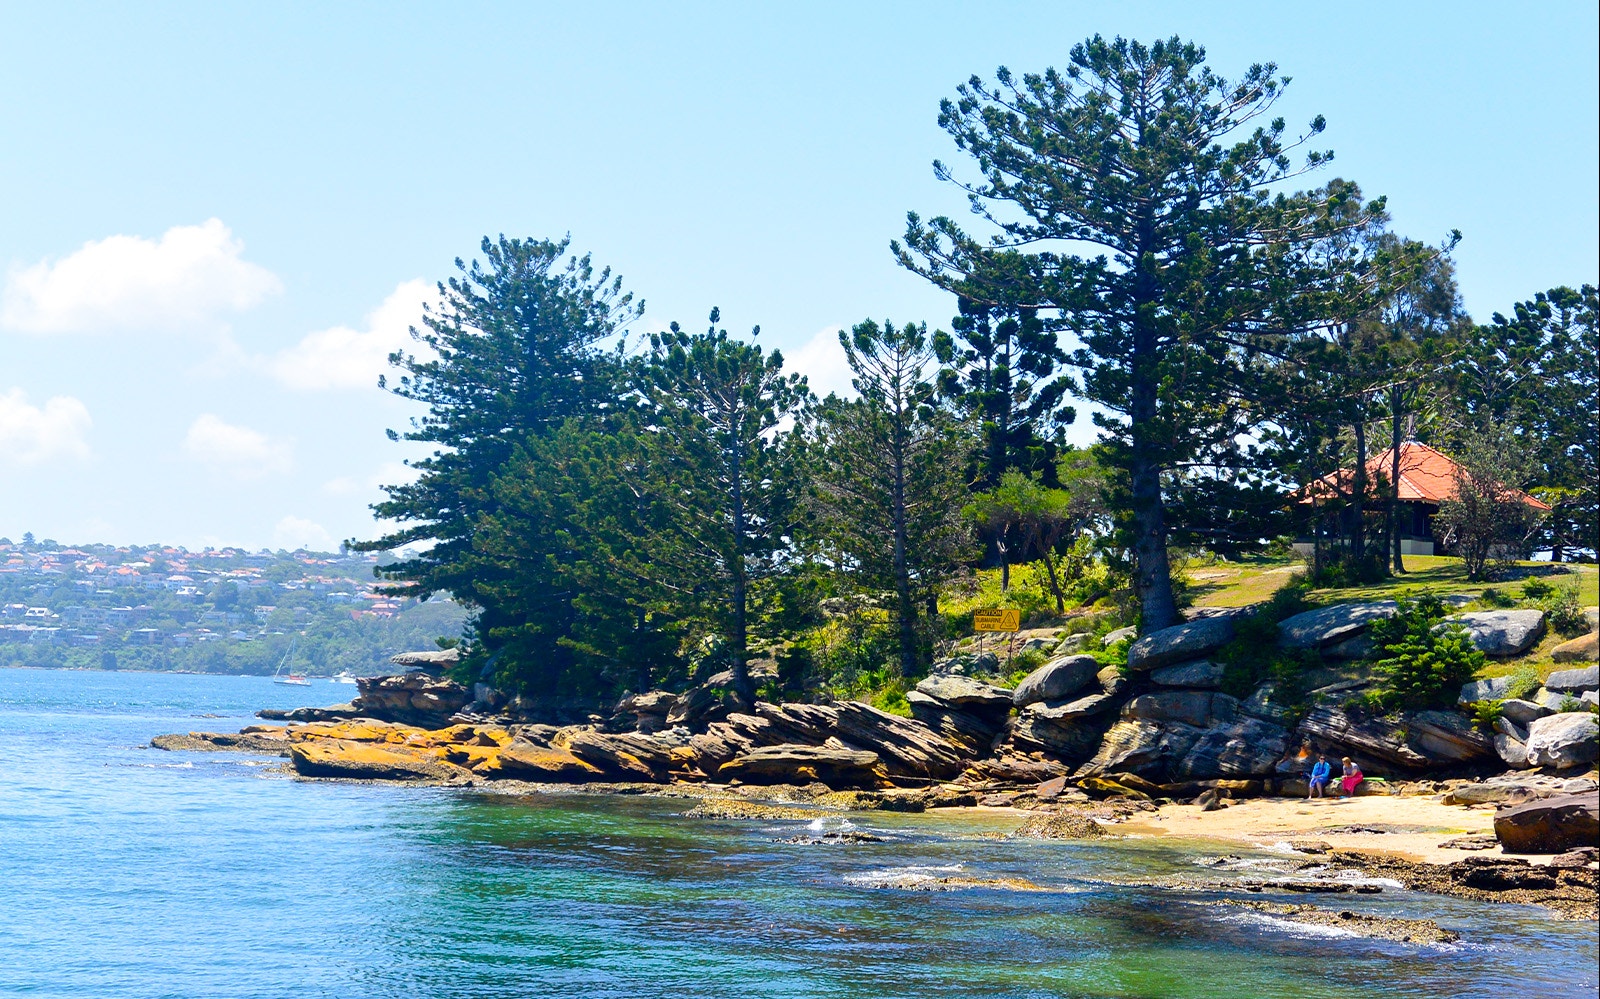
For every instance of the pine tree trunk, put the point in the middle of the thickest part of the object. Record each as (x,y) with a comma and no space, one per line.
(902,574)
(1358,519)
(1399,562)
(739,640)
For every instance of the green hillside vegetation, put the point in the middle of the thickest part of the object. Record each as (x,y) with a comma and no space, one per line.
(1148,238)
(158,607)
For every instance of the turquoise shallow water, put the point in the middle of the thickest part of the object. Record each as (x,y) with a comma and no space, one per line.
(130,872)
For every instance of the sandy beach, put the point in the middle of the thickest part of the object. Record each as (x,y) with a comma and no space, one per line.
(1409,828)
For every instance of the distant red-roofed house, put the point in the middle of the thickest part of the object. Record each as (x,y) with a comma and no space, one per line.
(1427,478)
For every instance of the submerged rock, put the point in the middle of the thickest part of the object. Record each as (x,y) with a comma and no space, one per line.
(1059,825)
(1361,924)
(254,739)
(734,808)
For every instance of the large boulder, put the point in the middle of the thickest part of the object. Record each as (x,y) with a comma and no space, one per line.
(1583,649)
(414,698)
(434,661)
(1064,711)
(1142,747)
(1550,825)
(1513,752)
(1573,681)
(907,747)
(1331,625)
(972,732)
(1056,680)
(793,764)
(1180,643)
(1200,673)
(620,757)
(1073,738)
(1500,633)
(1563,740)
(1200,708)
(1415,741)
(1522,712)
(646,712)
(968,694)
(1492,689)
(705,702)
(1243,747)
(1447,736)
(1268,703)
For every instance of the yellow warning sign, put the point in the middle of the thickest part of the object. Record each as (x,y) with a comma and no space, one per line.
(996,620)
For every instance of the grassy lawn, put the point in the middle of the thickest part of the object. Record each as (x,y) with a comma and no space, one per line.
(1235,584)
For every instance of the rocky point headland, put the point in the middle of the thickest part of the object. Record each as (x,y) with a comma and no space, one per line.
(1155,748)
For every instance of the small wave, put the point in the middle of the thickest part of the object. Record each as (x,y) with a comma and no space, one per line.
(910,874)
(162,766)
(1289,927)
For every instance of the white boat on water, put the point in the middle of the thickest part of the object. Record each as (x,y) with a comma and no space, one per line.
(344,676)
(291,678)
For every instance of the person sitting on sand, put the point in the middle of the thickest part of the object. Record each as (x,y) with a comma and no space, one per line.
(1352,779)
(1320,772)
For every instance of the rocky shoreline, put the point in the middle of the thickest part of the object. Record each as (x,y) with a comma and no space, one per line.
(1080,744)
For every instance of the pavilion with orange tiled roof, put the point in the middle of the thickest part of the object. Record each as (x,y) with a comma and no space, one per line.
(1427,478)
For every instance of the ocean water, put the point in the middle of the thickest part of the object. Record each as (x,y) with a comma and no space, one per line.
(132,872)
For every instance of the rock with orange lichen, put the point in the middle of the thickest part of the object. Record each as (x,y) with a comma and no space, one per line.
(371,760)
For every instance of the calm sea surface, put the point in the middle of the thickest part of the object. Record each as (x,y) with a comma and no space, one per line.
(127,871)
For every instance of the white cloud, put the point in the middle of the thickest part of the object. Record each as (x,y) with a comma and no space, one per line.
(340,357)
(297,532)
(184,281)
(244,452)
(822,361)
(388,474)
(30,434)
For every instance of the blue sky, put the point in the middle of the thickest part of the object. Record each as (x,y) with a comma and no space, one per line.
(216,219)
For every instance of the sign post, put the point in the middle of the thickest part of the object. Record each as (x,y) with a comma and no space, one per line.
(996,620)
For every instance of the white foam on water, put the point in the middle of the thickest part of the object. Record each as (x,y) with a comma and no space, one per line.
(1289,927)
(914,874)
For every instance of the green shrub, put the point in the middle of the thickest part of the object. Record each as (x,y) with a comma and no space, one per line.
(1494,598)
(1115,654)
(891,697)
(1029,661)
(1282,547)
(1536,589)
(1254,657)
(1486,713)
(1424,666)
(1563,612)
(1523,682)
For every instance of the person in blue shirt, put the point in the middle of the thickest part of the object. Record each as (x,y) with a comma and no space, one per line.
(1320,773)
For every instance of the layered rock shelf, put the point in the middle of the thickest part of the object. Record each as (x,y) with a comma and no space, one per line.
(1158,729)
